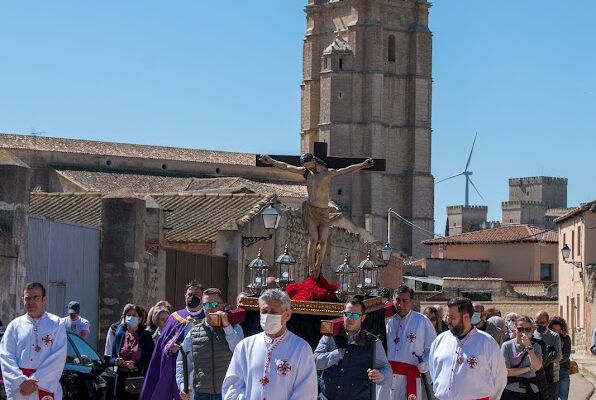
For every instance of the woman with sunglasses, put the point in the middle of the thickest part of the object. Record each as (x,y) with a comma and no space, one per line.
(523,359)
(432,314)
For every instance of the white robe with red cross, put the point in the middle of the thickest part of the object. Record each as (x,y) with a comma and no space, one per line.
(407,337)
(34,344)
(467,369)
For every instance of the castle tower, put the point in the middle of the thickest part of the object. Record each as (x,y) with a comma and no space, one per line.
(366,91)
(462,219)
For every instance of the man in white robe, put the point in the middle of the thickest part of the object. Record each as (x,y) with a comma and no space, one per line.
(409,336)
(275,364)
(466,363)
(33,350)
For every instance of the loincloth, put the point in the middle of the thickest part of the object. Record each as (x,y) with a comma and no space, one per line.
(316,215)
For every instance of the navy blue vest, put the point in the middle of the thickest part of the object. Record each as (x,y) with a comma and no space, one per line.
(349,379)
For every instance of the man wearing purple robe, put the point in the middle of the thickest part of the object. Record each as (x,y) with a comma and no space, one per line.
(160,379)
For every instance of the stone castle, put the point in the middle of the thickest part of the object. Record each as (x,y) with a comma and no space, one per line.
(536,201)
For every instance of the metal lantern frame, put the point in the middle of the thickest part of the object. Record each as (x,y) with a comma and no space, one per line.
(346,275)
(368,275)
(386,253)
(258,271)
(286,268)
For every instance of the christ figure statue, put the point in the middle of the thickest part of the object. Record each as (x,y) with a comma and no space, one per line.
(316,208)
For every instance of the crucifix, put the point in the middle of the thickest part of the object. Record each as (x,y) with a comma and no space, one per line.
(318,170)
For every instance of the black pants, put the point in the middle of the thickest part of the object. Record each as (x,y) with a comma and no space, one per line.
(511,395)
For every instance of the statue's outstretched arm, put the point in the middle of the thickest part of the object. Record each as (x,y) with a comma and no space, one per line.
(281,165)
(353,168)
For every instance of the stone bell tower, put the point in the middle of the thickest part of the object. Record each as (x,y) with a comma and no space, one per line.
(366,91)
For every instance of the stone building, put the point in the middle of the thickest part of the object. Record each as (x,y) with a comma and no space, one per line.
(461,219)
(536,200)
(577,274)
(366,92)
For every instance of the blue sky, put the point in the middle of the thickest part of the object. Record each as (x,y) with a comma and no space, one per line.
(225,75)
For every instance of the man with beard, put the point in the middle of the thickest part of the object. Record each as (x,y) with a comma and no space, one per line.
(160,379)
(409,335)
(466,363)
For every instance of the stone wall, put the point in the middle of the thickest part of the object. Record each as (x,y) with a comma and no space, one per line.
(14,217)
(456,268)
(521,307)
(132,268)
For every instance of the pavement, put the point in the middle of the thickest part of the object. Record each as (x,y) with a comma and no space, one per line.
(582,384)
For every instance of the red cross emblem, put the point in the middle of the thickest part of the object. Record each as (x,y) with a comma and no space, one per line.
(472,361)
(284,367)
(47,340)
(411,337)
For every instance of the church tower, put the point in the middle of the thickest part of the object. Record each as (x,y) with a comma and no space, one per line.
(366,92)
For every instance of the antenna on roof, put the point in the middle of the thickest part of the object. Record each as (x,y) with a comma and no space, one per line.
(467,174)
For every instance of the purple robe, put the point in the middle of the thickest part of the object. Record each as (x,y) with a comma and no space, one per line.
(160,379)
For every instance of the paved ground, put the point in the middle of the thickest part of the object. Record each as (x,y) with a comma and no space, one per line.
(582,384)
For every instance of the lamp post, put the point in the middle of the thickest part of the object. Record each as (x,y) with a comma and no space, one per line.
(286,265)
(345,280)
(368,276)
(566,253)
(271,220)
(259,270)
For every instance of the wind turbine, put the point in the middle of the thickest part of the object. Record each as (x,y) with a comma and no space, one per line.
(467,174)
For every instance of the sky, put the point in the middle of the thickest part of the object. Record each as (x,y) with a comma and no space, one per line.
(225,75)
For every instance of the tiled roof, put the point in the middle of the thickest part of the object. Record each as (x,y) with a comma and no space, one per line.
(105,182)
(42,143)
(503,234)
(193,217)
(280,189)
(576,211)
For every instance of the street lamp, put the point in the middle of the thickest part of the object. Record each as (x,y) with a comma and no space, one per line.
(286,264)
(345,280)
(368,276)
(258,270)
(566,253)
(271,220)
(386,254)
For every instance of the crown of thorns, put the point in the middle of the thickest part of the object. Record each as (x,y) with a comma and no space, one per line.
(307,157)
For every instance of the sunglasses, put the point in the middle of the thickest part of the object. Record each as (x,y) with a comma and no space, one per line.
(353,315)
(211,304)
(527,329)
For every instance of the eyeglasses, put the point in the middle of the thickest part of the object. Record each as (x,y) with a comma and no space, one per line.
(211,304)
(353,315)
(527,329)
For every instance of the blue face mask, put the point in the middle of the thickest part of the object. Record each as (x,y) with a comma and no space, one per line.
(131,321)
(475,318)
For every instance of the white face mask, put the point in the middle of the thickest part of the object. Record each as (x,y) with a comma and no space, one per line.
(271,323)
(511,325)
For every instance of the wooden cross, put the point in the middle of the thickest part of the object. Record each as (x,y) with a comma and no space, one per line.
(331,162)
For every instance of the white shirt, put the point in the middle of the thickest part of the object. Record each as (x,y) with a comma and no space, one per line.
(480,372)
(291,374)
(234,334)
(23,336)
(77,326)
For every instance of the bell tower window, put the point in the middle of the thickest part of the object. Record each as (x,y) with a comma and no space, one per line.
(391,48)
(341,63)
